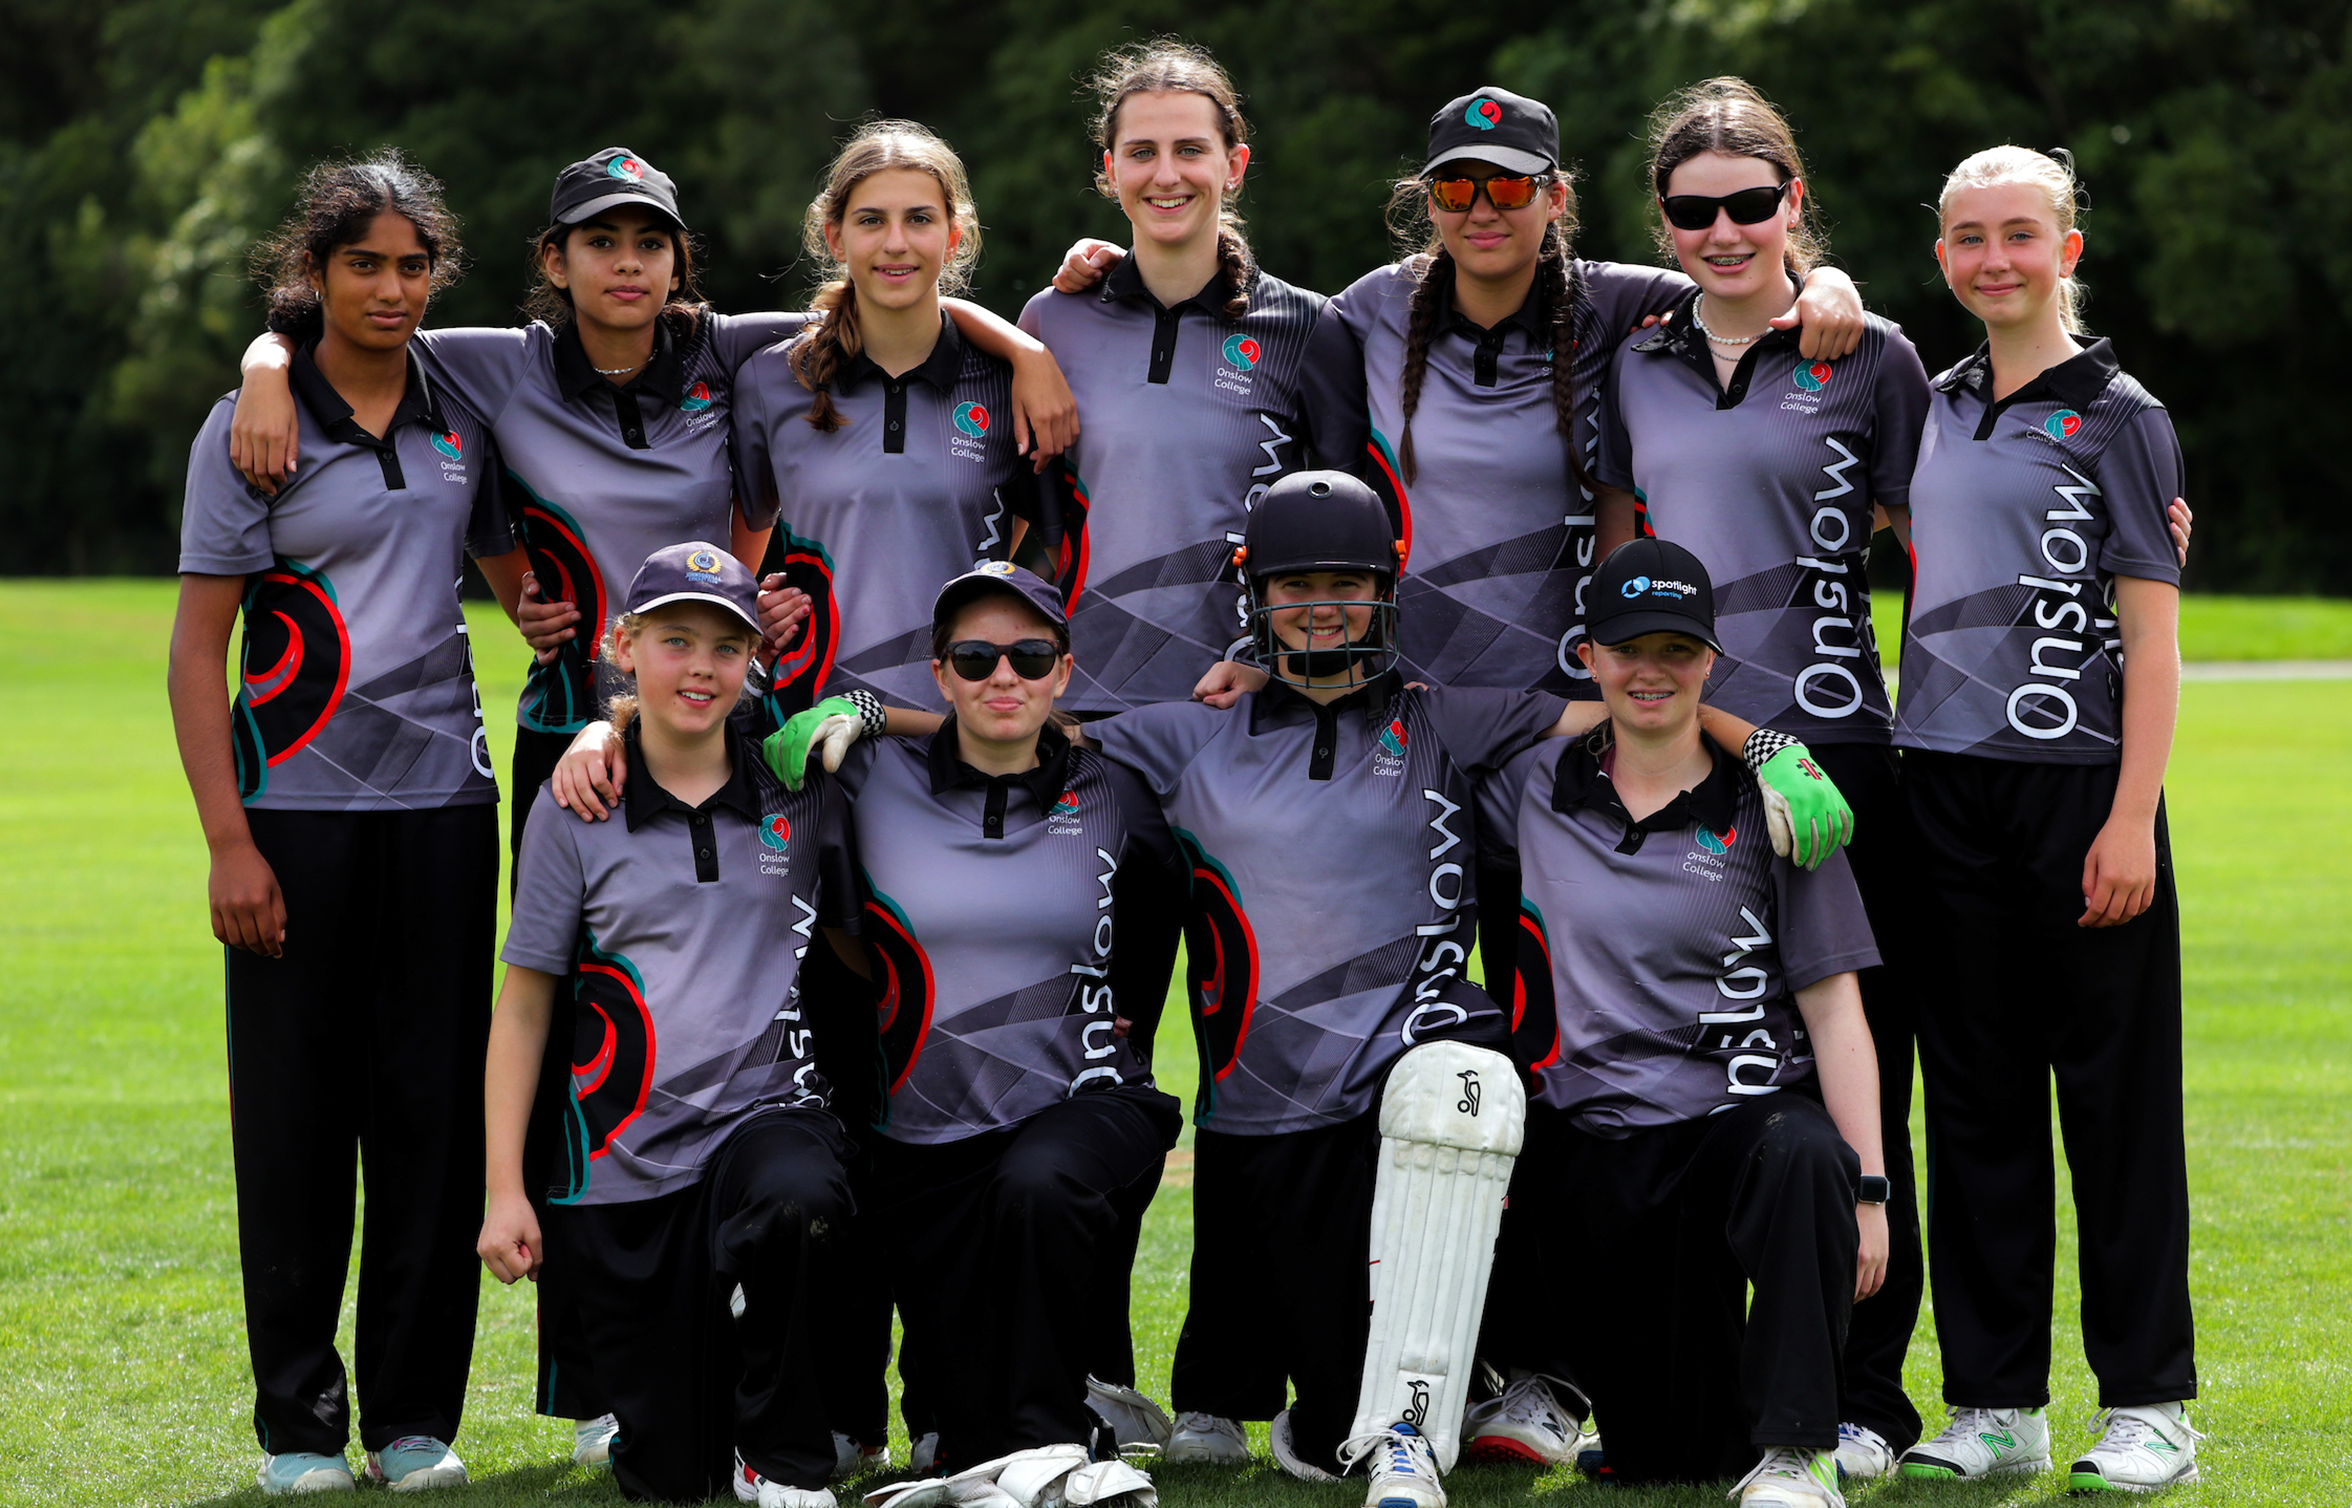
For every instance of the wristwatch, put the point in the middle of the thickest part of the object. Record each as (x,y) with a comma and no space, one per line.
(1873,1188)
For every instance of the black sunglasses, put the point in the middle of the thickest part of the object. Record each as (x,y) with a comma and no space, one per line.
(1750,206)
(975,659)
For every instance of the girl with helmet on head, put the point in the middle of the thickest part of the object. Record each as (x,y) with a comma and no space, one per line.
(349,802)
(612,411)
(2041,670)
(1707,1103)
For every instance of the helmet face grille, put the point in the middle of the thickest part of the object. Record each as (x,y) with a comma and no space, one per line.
(1362,661)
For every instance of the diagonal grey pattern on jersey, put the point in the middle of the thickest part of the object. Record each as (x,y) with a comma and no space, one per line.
(982,1054)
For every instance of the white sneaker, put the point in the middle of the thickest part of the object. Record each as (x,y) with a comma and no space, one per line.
(2142,1448)
(592,1440)
(1791,1478)
(1206,1440)
(751,1487)
(1983,1443)
(1403,1468)
(923,1454)
(1863,1453)
(851,1459)
(413,1463)
(1287,1457)
(1524,1424)
(1136,1423)
(303,1471)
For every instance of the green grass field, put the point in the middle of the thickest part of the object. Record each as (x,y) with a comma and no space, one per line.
(122,1363)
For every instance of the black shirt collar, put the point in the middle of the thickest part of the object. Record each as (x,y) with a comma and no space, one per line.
(1678,334)
(1533,316)
(2076,382)
(940,368)
(1279,702)
(334,415)
(1046,782)
(664,376)
(1125,281)
(644,799)
(1579,780)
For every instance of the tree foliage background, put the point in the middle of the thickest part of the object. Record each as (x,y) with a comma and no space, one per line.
(148,143)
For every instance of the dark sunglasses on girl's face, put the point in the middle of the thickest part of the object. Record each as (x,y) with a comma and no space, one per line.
(975,659)
(1750,206)
(1456,195)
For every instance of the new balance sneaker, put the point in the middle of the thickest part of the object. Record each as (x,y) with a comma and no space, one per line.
(851,1459)
(1983,1443)
(2140,1449)
(303,1471)
(1863,1453)
(1791,1478)
(1524,1423)
(923,1454)
(1287,1457)
(413,1463)
(1402,1467)
(1137,1424)
(592,1440)
(1206,1440)
(751,1487)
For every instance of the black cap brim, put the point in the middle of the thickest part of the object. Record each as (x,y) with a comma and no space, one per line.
(1626,627)
(1039,595)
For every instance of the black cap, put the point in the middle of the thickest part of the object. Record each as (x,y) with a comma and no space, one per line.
(998,576)
(613,177)
(696,571)
(1318,521)
(1650,586)
(1515,133)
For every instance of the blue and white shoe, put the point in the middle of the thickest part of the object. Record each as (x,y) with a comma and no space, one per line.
(413,1463)
(592,1440)
(303,1471)
(1863,1454)
(1402,1466)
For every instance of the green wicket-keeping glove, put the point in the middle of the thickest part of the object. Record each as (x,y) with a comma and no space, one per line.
(1803,810)
(833,724)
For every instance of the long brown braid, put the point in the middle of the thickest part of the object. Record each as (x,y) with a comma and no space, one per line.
(835,340)
(1168,66)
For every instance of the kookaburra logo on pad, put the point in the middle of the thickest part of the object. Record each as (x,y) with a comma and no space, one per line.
(1469,1104)
(1417,1411)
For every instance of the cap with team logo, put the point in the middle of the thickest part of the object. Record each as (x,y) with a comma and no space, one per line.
(999,576)
(1651,586)
(613,177)
(696,571)
(1515,133)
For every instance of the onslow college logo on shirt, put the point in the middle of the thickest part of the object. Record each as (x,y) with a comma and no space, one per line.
(1813,376)
(2062,425)
(1388,751)
(450,444)
(971,419)
(698,398)
(1242,352)
(1705,858)
(775,830)
(1061,818)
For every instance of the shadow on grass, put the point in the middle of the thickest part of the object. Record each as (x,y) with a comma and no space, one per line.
(552,1483)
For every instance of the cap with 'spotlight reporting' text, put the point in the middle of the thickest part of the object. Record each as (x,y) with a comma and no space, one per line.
(1651,586)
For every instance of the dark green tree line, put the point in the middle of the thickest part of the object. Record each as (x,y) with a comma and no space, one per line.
(148,144)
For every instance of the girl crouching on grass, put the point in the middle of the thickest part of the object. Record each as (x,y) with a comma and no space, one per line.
(703,1171)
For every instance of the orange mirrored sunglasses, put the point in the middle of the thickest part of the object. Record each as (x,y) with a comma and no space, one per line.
(1503,190)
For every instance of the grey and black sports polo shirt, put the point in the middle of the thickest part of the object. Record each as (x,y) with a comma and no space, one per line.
(1333,883)
(1188,418)
(1659,960)
(358,683)
(605,475)
(1500,536)
(2023,513)
(995,906)
(920,483)
(1771,481)
(680,931)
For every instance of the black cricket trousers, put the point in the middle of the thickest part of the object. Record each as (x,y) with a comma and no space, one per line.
(2013,994)
(364,1044)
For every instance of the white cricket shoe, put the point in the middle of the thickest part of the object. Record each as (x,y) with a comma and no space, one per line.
(1863,1454)
(923,1454)
(2142,1448)
(1403,1468)
(751,1487)
(852,1459)
(1136,1423)
(1788,1477)
(1206,1440)
(1523,1424)
(303,1471)
(1287,1457)
(413,1463)
(1983,1443)
(592,1440)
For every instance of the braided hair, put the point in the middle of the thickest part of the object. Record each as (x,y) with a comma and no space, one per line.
(1168,66)
(835,340)
(1555,296)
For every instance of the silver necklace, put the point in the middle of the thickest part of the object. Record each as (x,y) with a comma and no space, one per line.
(634,365)
(1721,340)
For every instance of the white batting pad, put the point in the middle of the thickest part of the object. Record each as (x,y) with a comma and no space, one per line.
(1451,1119)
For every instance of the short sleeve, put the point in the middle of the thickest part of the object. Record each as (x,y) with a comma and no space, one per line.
(490,528)
(1624,294)
(1483,726)
(1031,322)
(1148,837)
(755,474)
(841,900)
(1899,414)
(481,364)
(1333,390)
(856,766)
(1159,742)
(550,890)
(1499,797)
(2140,475)
(1823,930)
(224,522)
(1613,464)
(735,337)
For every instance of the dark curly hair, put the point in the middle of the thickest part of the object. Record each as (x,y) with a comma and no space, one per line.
(553,305)
(338,201)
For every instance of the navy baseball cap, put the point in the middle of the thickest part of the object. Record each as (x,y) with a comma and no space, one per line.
(613,177)
(998,576)
(1515,133)
(696,571)
(1651,586)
